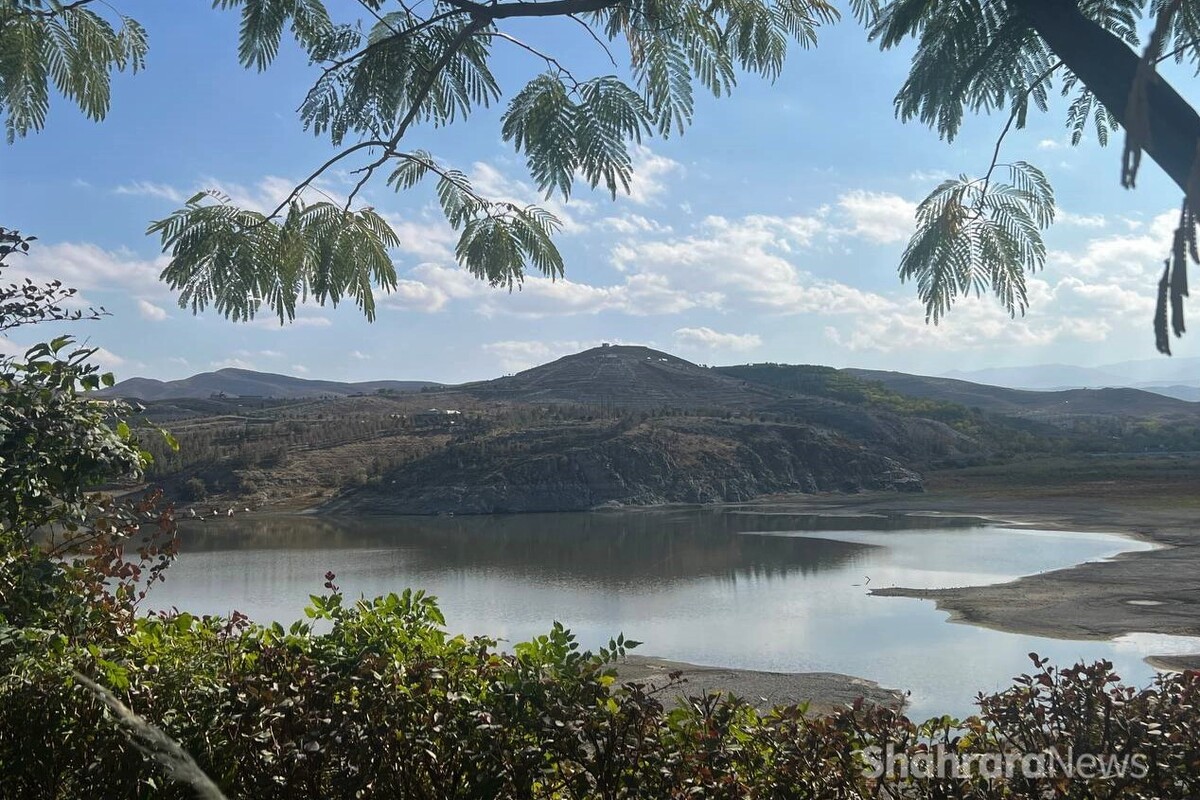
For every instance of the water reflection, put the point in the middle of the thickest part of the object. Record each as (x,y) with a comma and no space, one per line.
(757,591)
(614,550)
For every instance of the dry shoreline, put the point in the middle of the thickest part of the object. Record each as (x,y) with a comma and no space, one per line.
(1153,591)
(825,692)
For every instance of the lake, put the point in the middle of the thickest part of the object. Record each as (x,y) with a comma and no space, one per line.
(779,592)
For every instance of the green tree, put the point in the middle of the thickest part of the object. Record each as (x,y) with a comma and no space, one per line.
(385,70)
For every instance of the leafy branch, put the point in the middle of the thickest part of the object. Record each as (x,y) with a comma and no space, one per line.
(979,235)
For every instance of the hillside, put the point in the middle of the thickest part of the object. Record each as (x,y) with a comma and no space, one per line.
(632,425)
(1044,405)
(589,464)
(625,376)
(248,383)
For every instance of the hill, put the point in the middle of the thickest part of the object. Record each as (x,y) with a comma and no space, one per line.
(624,376)
(1042,376)
(583,464)
(248,383)
(630,425)
(1044,405)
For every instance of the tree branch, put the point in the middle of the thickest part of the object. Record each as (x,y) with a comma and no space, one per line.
(481,17)
(1107,66)
(553,8)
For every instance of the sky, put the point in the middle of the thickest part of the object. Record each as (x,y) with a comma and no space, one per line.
(770,231)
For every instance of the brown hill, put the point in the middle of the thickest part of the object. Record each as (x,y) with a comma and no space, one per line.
(625,376)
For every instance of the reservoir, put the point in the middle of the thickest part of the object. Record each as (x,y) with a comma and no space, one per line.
(776,592)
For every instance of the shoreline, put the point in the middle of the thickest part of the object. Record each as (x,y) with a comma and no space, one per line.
(1155,591)
(1083,601)
(824,692)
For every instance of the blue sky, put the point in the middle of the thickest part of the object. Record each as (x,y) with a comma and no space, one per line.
(770,231)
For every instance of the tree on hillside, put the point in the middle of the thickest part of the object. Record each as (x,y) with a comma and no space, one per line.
(394,68)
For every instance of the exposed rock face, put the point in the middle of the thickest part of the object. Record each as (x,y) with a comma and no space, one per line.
(664,460)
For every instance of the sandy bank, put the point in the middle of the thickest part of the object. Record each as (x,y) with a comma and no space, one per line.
(823,691)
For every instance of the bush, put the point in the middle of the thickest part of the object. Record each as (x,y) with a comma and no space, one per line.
(387,704)
(194,489)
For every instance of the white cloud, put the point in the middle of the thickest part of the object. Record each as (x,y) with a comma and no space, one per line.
(651,174)
(878,216)
(431,288)
(495,185)
(300,368)
(231,363)
(1081,220)
(639,295)
(630,224)
(359,356)
(430,239)
(270,322)
(162,191)
(150,311)
(705,338)
(517,355)
(1069,310)
(1049,144)
(105,358)
(102,357)
(1133,258)
(87,266)
(932,176)
(745,263)
(265,194)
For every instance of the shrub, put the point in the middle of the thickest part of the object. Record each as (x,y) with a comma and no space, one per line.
(376,700)
(194,489)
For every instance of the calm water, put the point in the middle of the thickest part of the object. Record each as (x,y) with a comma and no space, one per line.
(759,591)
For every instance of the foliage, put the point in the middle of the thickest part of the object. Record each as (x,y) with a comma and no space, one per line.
(976,236)
(58,446)
(400,66)
(379,76)
(973,58)
(375,699)
(56,442)
(1005,56)
(67,45)
(236,260)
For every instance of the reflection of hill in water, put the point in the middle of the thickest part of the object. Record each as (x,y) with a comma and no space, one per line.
(626,546)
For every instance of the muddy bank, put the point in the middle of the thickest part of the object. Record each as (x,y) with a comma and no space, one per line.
(1155,591)
(823,691)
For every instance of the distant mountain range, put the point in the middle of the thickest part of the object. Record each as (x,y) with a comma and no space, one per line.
(619,425)
(1119,401)
(639,377)
(1173,377)
(233,382)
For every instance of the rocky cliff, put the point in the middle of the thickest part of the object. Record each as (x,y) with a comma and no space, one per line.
(603,463)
